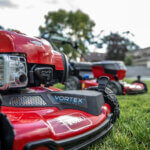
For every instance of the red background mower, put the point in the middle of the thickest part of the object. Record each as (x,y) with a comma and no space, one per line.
(85,75)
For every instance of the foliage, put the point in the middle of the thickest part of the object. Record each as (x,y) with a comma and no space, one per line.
(76,26)
(60,86)
(128,60)
(117,46)
(9,29)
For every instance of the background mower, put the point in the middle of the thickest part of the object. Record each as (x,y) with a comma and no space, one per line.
(84,75)
(36,116)
(116,71)
(80,76)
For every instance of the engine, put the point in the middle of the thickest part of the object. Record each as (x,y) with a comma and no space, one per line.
(29,62)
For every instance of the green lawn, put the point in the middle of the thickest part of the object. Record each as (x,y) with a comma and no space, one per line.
(132,129)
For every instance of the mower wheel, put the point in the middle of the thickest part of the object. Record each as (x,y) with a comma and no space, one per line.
(72,83)
(110,98)
(144,84)
(115,87)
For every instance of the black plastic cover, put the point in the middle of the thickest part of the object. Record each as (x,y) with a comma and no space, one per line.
(90,102)
(84,66)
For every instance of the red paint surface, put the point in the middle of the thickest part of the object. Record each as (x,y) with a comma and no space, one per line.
(88,83)
(34,123)
(133,87)
(98,71)
(39,53)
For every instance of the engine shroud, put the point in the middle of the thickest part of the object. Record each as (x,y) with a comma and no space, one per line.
(45,65)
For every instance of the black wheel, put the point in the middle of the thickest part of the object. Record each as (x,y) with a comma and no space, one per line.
(111,100)
(109,96)
(115,87)
(144,84)
(72,83)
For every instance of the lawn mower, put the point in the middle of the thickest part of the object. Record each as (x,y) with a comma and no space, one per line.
(80,76)
(84,75)
(116,71)
(36,116)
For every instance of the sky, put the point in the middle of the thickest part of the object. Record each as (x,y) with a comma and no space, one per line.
(109,15)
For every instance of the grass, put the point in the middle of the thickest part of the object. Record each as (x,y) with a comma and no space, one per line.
(132,129)
(59,86)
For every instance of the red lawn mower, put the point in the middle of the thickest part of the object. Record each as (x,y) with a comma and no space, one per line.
(116,71)
(36,116)
(85,75)
(80,76)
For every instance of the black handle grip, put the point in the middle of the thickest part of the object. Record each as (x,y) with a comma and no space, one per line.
(102,83)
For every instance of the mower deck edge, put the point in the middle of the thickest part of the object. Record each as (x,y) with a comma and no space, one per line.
(78,141)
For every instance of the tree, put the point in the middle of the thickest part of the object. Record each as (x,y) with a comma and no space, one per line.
(76,26)
(128,60)
(9,29)
(117,46)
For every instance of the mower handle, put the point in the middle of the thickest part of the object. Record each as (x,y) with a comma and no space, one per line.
(102,83)
(60,39)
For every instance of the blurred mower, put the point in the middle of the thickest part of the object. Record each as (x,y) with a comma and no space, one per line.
(116,71)
(84,75)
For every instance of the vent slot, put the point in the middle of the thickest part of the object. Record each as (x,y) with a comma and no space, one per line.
(27,101)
